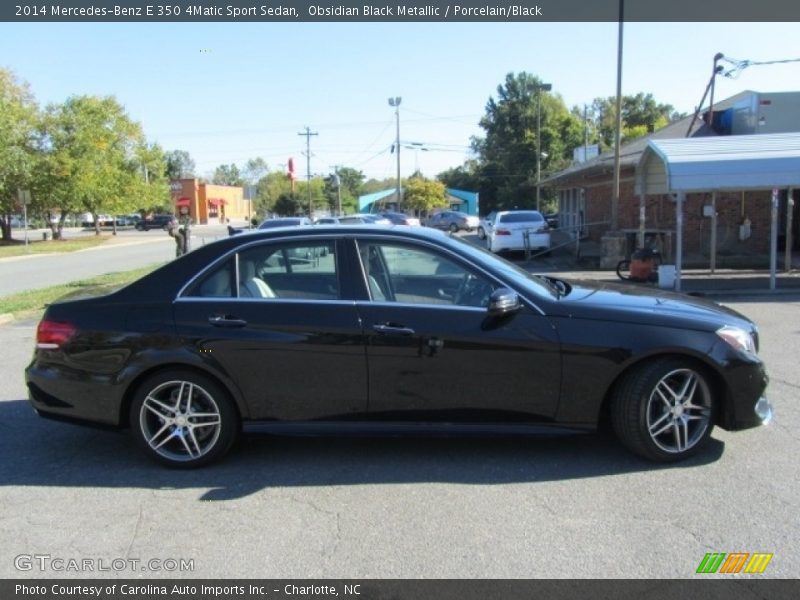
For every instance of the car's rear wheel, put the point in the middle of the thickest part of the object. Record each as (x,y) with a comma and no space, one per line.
(663,410)
(481,233)
(183,419)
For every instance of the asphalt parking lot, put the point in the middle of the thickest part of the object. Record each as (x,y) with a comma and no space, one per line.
(577,506)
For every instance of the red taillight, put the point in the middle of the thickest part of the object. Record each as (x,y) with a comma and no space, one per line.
(502,232)
(53,334)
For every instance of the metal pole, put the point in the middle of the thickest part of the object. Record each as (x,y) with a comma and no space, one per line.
(308,133)
(773,240)
(618,135)
(538,143)
(679,239)
(338,194)
(540,87)
(713,231)
(787,263)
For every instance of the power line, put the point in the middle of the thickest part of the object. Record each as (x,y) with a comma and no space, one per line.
(741,65)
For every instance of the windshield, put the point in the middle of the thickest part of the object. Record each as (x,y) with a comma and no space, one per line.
(521,217)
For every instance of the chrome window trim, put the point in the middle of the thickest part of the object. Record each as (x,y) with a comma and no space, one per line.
(459,260)
(247,246)
(193,299)
(379,234)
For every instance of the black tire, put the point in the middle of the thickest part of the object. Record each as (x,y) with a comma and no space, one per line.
(453,228)
(180,434)
(624,270)
(663,410)
(481,233)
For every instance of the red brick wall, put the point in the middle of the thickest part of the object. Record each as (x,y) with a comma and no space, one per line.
(660,214)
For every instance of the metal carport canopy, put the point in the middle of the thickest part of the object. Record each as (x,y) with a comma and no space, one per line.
(725,163)
(735,162)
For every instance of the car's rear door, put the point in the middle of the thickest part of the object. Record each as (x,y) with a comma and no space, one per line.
(273,318)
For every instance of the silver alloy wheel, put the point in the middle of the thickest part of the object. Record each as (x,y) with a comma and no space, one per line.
(180,421)
(679,411)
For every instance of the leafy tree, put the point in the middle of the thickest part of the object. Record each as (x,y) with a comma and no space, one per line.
(95,152)
(641,114)
(287,205)
(179,165)
(508,152)
(254,169)
(18,123)
(227,175)
(424,195)
(269,189)
(350,183)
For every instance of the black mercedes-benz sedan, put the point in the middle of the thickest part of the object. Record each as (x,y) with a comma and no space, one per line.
(389,329)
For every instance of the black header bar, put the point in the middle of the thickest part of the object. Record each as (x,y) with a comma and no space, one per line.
(303,11)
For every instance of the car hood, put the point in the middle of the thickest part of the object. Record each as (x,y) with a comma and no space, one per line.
(631,303)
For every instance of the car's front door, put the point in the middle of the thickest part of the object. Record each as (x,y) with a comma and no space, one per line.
(272,318)
(433,353)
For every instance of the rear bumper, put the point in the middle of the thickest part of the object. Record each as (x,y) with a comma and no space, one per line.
(515,241)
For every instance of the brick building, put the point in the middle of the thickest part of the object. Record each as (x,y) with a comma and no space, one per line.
(743,216)
(209,203)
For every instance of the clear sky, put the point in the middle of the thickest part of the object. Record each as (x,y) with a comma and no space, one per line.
(226,92)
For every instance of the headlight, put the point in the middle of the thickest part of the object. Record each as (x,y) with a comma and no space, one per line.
(738,338)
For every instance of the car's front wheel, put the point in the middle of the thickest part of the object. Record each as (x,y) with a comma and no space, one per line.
(183,419)
(453,228)
(663,410)
(481,233)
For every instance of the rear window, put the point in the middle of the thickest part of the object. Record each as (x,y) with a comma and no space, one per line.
(521,217)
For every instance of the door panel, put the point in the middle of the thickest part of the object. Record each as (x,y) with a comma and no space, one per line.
(451,364)
(292,360)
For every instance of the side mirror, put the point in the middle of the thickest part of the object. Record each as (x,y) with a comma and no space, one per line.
(503,302)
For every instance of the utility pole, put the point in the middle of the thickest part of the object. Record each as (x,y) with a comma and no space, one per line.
(540,87)
(395,102)
(338,191)
(308,133)
(618,132)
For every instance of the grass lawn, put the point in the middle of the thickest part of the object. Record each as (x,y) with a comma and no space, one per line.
(17,247)
(23,303)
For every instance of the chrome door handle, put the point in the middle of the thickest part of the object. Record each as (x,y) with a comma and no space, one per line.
(387,329)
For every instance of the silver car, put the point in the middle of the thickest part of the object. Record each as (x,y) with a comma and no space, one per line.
(453,221)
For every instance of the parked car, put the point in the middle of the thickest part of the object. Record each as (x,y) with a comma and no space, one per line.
(250,331)
(401,219)
(485,225)
(509,228)
(285,222)
(156,222)
(453,221)
(363,219)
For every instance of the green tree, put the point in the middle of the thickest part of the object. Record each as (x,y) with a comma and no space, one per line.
(227,175)
(641,114)
(19,117)
(513,123)
(179,165)
(95,151)
(424,195)
(253,170)
(269,189)
(286,205)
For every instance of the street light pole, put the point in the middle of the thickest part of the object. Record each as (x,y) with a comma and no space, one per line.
(395,102)
(541,87)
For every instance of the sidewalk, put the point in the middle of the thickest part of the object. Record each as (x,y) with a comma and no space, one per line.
(726,282)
